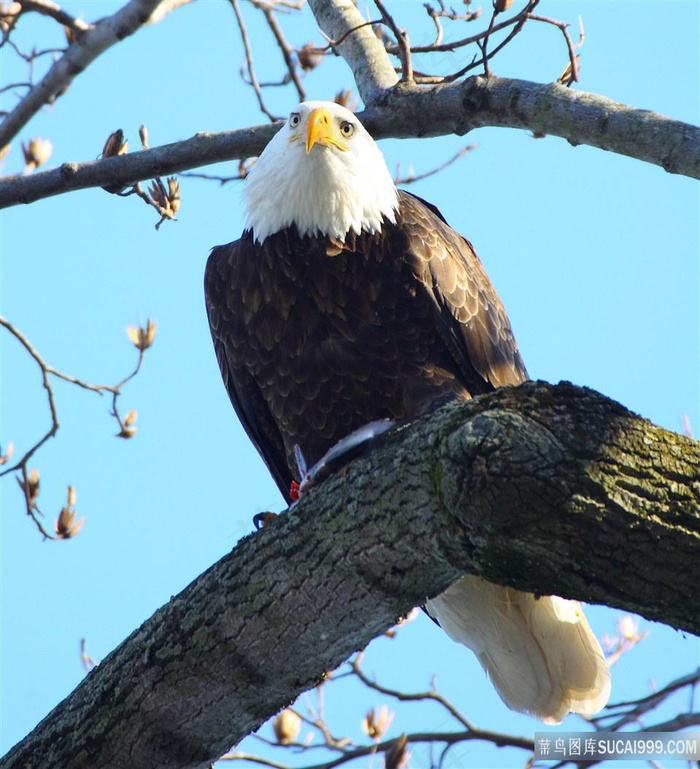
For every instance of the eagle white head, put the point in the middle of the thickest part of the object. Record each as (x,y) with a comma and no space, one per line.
(323,173)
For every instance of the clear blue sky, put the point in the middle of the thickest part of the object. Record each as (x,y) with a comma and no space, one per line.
(594,255)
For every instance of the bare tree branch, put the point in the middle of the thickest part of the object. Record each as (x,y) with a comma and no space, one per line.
(142,338)
(89,45)
(412,177)
(54,11)
(578,117)
(552,489)
(621,714)
(461,730)
(403,47)
(571,72)
(125,170)
(285,48)
(249,59)
(363,52)
(453,45)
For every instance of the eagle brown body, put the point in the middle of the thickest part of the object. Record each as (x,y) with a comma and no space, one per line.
(316,338)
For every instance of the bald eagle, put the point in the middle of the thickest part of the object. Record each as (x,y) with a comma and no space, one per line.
(347,301)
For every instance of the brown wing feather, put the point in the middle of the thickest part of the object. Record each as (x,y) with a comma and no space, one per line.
(468,312)
(224,316)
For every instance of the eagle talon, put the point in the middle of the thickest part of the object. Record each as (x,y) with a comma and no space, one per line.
(347,448)
(263,519)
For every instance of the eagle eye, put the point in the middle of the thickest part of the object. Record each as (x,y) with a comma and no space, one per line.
(294,119)
(347,129)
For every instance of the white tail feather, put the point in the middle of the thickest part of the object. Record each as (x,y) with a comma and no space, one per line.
(540,653)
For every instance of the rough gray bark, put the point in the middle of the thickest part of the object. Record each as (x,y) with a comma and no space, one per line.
(578,117)
(553,489)
(550,109)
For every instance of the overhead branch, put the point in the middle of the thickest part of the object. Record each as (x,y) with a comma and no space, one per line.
(552,489)
(90,43)
(457,108)
(362,50)
(54,11)
(550,109)
(124,170)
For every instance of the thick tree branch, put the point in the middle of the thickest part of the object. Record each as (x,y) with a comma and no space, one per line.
(579,117)
(362,50)
(124,170)
(88,46)
(553,109)
(550,489)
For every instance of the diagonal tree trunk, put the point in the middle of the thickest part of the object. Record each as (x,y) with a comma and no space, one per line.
(552,489)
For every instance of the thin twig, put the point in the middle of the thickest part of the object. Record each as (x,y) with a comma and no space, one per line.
(419,177)
(655,698)
(249,61)
(480,40)
(46,384)
(212,178)
(452,15)
(149,199)
(403,45)
(287,50)
(47,8)
(239,755)
(48,371)
(300,745)
(435,16)
(483,44)
(451,739)
(453,46)
(675,724)
(31,507)
(519,23)
(116,392)
(405,697)
(572,69)
(333,44)
(11,86)
(30,58)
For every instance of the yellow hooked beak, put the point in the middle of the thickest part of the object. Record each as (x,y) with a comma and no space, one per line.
(321,129)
